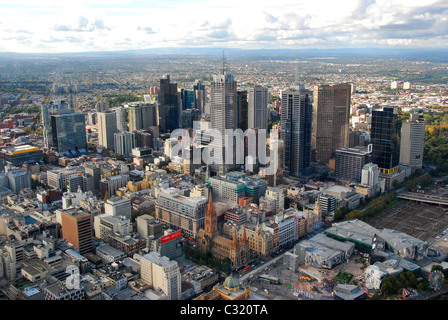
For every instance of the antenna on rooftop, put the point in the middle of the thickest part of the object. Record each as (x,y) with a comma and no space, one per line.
(224,63)
(296,75)
(297,83)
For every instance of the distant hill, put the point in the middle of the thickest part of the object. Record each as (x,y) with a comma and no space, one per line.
(429,54)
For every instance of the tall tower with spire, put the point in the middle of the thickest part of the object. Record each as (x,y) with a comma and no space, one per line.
(211,220)
(223,109)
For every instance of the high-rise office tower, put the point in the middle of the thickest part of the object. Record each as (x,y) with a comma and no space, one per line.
(63,130)
(189,116)
(77,229)
(385,139)
(141,115)
(199,95)
(143,139)
(223,97)
(68,132)
(413,140)
(124,142)
(134,117)
(242,109)
(149,115)
(331,116)
(296,121)
(169,105)
(121,118)
(258,100)
(188,99)
(107,126)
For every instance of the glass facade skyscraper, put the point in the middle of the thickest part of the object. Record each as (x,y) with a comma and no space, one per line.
(385,138)
(296,122)
(68,132)
(169,105)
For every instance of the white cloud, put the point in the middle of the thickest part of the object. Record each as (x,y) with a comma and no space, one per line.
(119,24)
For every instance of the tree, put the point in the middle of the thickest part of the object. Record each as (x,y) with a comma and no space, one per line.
(355,214)
(338,215)
(436,267)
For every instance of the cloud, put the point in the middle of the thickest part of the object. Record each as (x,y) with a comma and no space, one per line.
(61,27)
(147,30)
(83,25)
(218,34)
(285,23)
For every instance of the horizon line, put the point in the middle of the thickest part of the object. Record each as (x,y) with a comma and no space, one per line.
(219,50)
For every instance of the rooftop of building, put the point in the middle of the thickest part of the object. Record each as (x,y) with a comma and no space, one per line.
(18,149)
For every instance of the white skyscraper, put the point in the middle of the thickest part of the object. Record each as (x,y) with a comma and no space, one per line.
(107,126)
(124,142)
(413,140)
(121,119)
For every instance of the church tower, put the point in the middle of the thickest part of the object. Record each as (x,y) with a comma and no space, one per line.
(211,220)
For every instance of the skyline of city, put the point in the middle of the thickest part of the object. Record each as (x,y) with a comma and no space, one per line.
(161,151)
(82,26)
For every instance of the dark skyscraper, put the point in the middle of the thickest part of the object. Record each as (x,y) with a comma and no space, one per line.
(200,97)
(296,121)
(169,105)
(258,100)
(385,138)
(188,99)
(242,110)
(68,132)
(331,112)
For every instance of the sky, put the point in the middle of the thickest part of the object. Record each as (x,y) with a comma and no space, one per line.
(47,26)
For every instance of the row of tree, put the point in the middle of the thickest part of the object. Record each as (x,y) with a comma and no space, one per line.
(436,138)
(373,207)
(202,258)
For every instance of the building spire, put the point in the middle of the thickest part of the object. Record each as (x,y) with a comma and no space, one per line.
(225,66)
(235,240)
(244,240)
(297,83)
(211,220)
